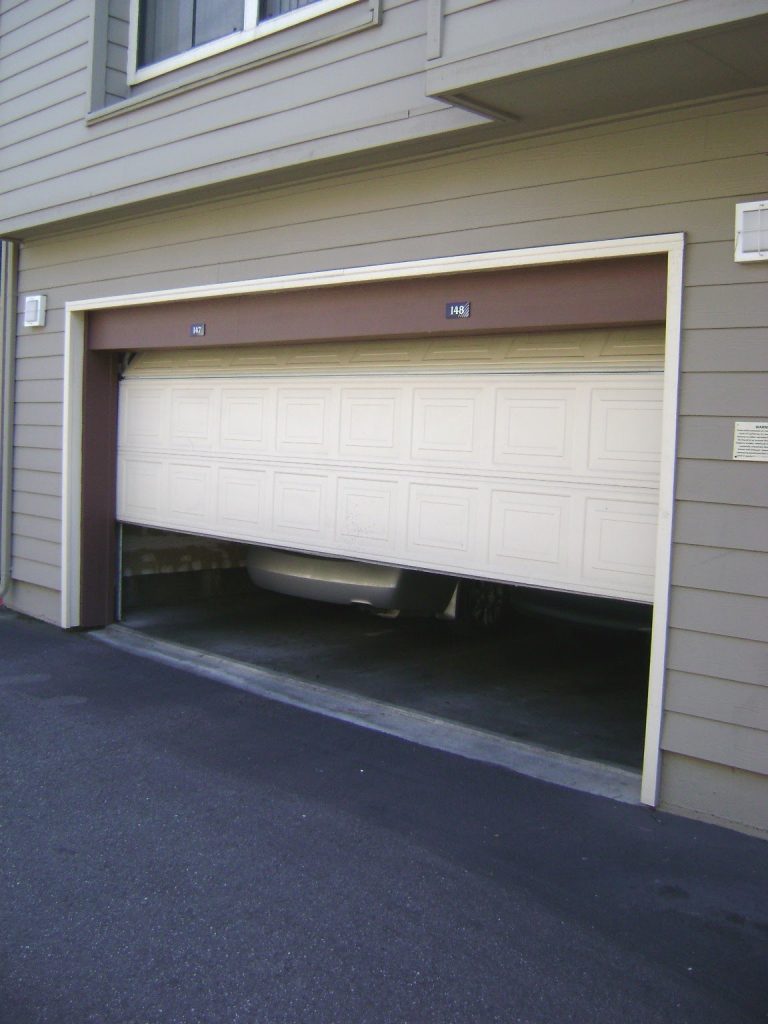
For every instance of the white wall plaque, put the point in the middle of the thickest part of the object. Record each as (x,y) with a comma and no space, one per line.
(750,441)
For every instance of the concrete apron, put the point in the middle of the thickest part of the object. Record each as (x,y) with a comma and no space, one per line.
(477,744)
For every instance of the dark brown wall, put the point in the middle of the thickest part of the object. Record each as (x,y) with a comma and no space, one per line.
(603,293)
(99,484)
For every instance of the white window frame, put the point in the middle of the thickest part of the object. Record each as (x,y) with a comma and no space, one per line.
(252,30)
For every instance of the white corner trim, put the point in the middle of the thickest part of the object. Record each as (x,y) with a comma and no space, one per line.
(649,793)
(671,245)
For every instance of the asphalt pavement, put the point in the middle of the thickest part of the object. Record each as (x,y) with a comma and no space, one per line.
(175,850)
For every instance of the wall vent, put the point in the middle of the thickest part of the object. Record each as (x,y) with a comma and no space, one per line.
(751,231)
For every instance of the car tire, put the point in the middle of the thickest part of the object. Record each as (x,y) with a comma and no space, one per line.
(481,606)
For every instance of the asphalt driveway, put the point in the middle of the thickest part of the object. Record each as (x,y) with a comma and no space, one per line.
(176,851)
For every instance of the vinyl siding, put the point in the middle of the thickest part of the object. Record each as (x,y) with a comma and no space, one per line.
(116,59)
(348,94)
(678,171)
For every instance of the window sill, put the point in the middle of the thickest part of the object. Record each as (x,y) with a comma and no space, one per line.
(245,50)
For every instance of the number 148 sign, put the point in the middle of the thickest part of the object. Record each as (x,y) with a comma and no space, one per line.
(457,310)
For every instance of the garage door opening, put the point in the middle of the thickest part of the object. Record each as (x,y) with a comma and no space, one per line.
(529,462)
(564,675)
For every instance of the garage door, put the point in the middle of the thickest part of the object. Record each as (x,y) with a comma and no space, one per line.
(532,460)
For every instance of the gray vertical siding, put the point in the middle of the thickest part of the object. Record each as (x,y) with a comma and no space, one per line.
(678,171)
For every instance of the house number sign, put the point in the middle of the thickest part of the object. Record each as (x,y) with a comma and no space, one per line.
(197,330)
(458,310)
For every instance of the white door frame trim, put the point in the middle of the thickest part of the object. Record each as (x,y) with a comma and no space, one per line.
(671,245)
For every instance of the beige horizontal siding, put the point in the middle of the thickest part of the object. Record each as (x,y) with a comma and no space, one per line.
(730,745)
(726,393)
(725,657)
(723,571)
(723,795)
(734,615)
(722,526)
(719,700)
(336,86)
(40,602)
(26,570)
(38,527)
(743,483)
(38,459)
(36,550)
(40,368)
(44,505)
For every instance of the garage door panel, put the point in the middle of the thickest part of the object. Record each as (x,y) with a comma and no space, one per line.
(194,419)
(448,425)
(246,420)
(371,423)
(241,496)
(144,421)
(536,428)
(191,494)
(620,543)
(541,478)
(440,521)
(300,506)
(625,431)
(306,418)
(529,532)
(367,515)
(141,489)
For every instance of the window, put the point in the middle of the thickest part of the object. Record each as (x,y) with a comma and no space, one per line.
(167,34)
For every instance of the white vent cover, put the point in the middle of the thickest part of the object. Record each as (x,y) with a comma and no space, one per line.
(34,311)
(751,231)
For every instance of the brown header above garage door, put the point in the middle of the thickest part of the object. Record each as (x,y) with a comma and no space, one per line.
(600,293)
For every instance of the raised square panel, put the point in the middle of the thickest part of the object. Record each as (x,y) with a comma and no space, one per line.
(620,545)
(143,415)
(303,421)
(369,423)
(365,511)
(244,419)
(141,489)
(440,519)
(192,419)
(240,495)
(190,495)
(534,430)
(529,531)
(299,503)
(444,423)
(625,430)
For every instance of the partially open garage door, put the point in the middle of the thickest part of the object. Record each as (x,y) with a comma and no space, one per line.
(531,460)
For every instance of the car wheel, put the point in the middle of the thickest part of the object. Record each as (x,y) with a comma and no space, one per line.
(480,605)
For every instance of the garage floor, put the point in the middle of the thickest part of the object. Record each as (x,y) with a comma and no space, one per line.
(574,689)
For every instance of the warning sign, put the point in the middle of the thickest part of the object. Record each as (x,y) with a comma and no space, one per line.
(750,441)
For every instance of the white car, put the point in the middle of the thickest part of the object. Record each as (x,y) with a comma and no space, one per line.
(385,587)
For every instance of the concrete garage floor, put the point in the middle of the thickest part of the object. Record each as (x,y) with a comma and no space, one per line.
(573,689)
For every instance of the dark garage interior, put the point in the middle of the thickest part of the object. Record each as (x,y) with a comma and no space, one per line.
(574,682)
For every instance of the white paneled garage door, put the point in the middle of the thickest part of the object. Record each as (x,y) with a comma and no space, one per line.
(521,459)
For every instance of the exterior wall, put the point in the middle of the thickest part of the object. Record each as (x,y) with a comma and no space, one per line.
(678,171)
(248,114)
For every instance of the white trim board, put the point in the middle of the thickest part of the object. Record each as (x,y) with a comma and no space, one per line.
(671,245)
